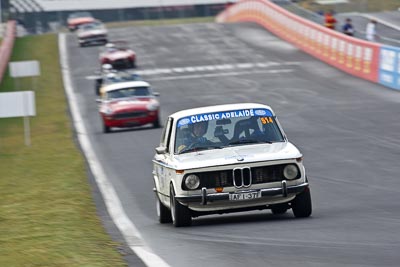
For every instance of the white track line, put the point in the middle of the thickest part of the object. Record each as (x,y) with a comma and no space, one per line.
(222,74)
(113,204)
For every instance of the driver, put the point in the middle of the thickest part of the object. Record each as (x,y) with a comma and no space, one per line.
(195,136)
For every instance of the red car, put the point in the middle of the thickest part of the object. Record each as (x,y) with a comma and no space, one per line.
(118,55)
(129,104)
(78,18)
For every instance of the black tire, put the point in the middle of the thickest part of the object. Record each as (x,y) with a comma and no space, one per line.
(106,129)
(180,214)
(279,209)
(163,213)
(301,205)
(156,123)
(97,86)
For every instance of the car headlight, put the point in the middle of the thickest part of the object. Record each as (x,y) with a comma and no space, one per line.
(290,172)
(152,106)
(108,111)
(192,181)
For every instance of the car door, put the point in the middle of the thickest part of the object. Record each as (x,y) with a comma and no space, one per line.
(163,162)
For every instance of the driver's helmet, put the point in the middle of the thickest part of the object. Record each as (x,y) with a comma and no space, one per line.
(198,129)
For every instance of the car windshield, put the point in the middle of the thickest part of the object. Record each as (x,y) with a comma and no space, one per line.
(91,26)
(226,129)
(121,78)
(142,91)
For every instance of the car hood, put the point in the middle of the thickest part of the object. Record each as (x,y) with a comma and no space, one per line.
(118,55)
(131,104)
(237,155)
(92,32)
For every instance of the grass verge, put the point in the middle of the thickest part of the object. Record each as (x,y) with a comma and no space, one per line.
(47,215)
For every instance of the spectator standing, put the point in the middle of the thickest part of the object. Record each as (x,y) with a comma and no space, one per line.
(371,30)
(348,28)
(330,20)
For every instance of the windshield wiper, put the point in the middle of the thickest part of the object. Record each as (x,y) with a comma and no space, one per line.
(248,141)
(198,148)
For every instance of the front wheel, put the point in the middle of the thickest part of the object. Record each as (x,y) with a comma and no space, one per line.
(180,214)
(301,205)
(106,129)
(156,123)
(163,213)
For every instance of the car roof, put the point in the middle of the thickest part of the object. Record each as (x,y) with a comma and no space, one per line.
(218,108)
(120,85)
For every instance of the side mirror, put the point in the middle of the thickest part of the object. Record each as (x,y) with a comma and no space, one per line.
(156,94)
(161,150)
(98,100)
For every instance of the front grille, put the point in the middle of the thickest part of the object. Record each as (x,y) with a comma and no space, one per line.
(242,177)
(216,179)
(268,174)
(120,61)
(129,115)
(94,37)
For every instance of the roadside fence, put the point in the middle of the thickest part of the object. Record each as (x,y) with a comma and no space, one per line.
(367,60)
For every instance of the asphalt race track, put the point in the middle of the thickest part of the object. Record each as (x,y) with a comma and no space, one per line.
(348,130)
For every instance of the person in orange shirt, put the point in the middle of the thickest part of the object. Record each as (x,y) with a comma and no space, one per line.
(330,20)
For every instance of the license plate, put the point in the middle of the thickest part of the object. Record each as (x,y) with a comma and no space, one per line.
(245,195)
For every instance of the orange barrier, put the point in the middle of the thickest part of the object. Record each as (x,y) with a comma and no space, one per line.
(7,46)
(357,57)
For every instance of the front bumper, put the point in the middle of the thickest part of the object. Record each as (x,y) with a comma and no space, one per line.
(129,122)
(93,39)
(204,198)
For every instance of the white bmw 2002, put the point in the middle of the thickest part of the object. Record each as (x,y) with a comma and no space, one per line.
(227,158)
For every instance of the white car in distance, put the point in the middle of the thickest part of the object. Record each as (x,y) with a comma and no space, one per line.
(93,33)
